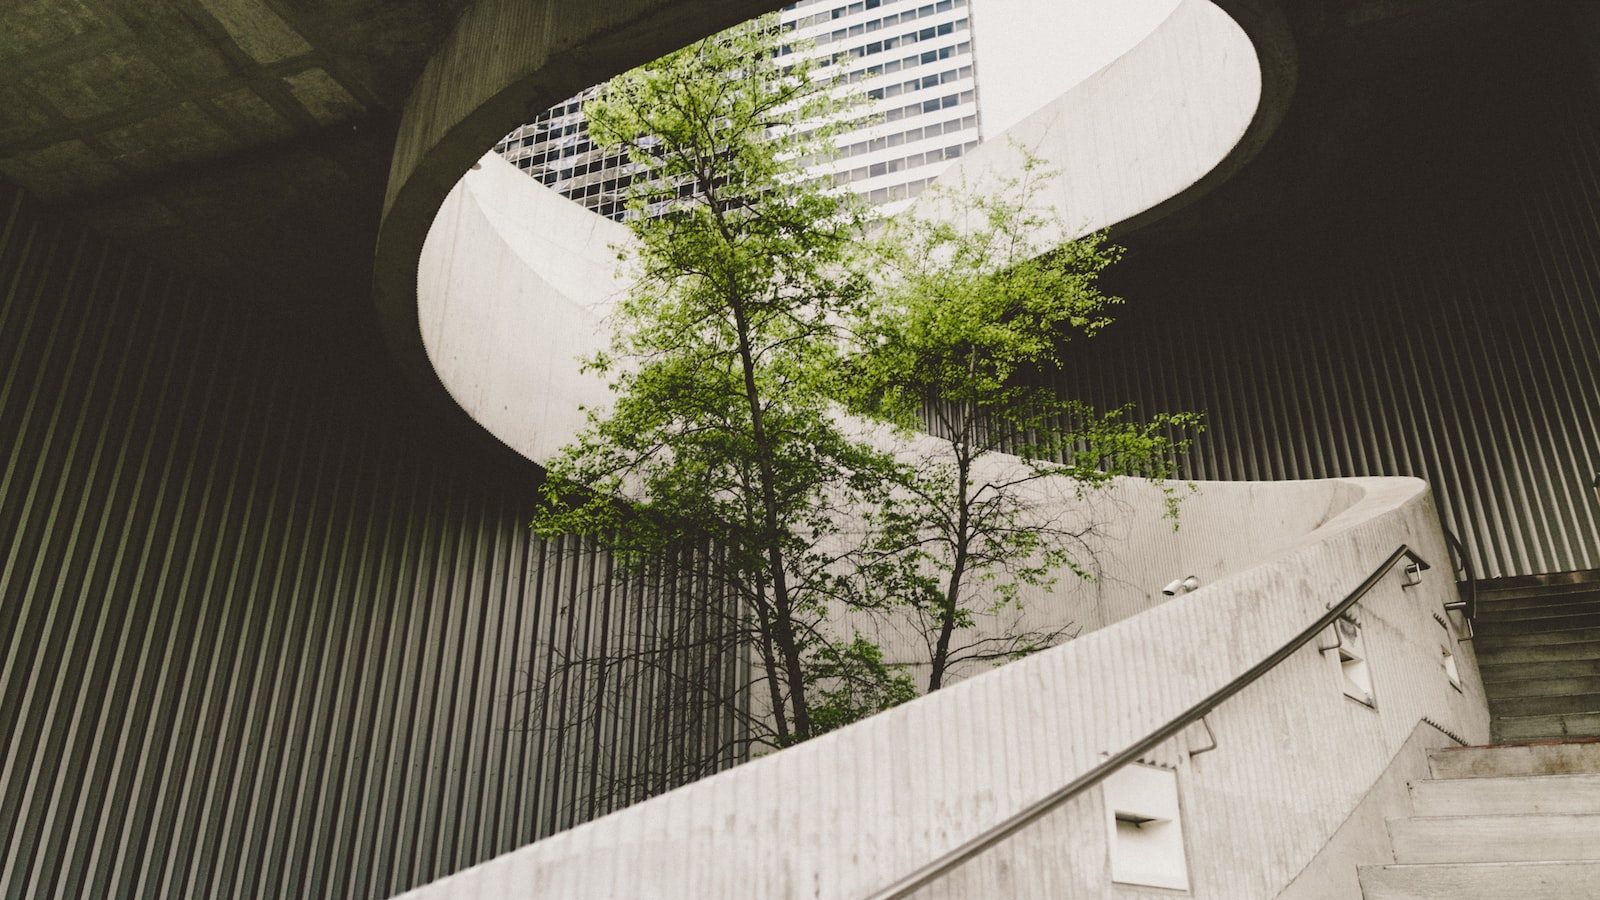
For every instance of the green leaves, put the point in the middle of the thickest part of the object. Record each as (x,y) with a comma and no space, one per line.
(727,359)
(968,338)
(851,681)
(760,313)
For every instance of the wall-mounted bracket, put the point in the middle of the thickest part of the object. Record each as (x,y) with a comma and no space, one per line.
(1412,574)
(1210,735)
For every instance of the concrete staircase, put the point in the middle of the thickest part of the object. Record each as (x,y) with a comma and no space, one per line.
(1538,643)
(1510,821)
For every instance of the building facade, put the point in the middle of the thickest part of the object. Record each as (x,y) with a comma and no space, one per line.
(912,59)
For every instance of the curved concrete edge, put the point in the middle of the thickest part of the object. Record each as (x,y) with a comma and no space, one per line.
(505,61)
(830,818)
(1150,132)
(510,295)
(1277,62)
(514,286)
(846,813)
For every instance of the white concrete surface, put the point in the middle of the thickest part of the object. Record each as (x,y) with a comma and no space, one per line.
(1544,758)
(848,812)
(1506,796)
(1483,881)
(513,287)
(1137,132)
(1497,824)
(1363,838)
(1513,837)
(1032,51)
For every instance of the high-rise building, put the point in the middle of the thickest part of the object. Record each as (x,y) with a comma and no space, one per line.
(912,58)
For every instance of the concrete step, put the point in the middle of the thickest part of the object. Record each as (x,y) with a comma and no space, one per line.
(1495,639)
(1545,728)
(1511,595)
(1540,625)
(1491,655)
(1513,760)
(1482,881)
(1505,612)
(1543,794)
(1576,582)
(1549,704)
(1526,671)
(1543,687)
(1444,839)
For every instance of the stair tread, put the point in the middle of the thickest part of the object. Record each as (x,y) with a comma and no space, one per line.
(1549,581)
(1555,668)
(1530,756)
(1540,880)
(1535,613)
(1553,726)
(1495,838)
(1487,592)
(1542,625)
(1547,704)
(1527,595)
(1589,820)
(1490,655)
(1539,687)
(1506,795)
(1493,639)
(1585,712)
(1568,611)
(1585,863)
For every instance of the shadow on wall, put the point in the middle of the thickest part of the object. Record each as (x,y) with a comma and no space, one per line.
(263,633)
(1380,319)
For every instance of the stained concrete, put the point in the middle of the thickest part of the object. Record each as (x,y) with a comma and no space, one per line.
(1362,839)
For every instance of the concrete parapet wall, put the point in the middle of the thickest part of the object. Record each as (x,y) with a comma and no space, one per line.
(512,288)
(849,812)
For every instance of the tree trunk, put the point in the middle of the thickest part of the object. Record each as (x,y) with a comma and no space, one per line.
(782,626)
(952,591)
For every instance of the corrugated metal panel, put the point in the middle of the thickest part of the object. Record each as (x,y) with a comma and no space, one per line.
(1438,317)
(260,637)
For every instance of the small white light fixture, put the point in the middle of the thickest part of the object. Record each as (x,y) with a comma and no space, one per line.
(1354,672)
(1181,586)
(1145,828)
(1447,658)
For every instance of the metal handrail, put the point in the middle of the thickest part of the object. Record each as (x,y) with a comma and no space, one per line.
(950,860)
(1469,605)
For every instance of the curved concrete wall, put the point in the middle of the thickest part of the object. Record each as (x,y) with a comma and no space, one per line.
(503,62)
(1139,132)
(843,815)
(516,282)
(508,269)
(511,294)
(467,98)
(512,288)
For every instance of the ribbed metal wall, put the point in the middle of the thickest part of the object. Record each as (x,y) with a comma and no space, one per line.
(261,635)
(1427,305)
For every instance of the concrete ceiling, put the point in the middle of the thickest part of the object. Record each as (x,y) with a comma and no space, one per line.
(95,94)
(231,137)
(251,139)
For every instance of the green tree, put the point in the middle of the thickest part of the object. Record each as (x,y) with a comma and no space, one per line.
(725,370)
(973,323)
